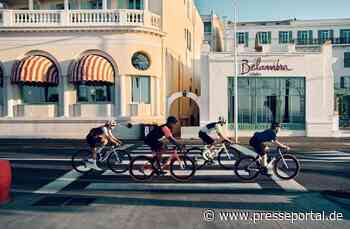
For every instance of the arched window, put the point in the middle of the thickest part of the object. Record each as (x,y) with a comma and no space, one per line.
(37,76)
(93,76)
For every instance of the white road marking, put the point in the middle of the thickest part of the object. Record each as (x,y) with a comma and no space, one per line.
(59,184)
(288,185)
(172,186)
(126,146)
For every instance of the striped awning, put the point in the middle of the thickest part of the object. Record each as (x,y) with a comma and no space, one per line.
(93,69)
(36,71)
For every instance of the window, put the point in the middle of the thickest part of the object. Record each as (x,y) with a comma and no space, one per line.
(285,37)
(324,35)
(345,36)
(265,100)
(37,95)
(305,37)
(347,60)
(141,90)
(345,82)
(264,37)
(94,94)
(141,61)
(207,27)
(136,4)
(188,38)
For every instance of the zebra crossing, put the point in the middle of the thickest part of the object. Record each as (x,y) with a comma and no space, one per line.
(211,178)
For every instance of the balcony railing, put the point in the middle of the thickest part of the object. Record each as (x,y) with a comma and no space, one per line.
(335,41)
(61,18)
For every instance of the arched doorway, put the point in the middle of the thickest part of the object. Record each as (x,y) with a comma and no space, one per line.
(186,107)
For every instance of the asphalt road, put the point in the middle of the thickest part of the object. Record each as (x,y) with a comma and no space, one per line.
(47,193)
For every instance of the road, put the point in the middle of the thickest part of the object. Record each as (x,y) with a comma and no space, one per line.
(47,193)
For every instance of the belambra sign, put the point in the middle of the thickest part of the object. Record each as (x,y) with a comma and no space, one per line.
(257,67)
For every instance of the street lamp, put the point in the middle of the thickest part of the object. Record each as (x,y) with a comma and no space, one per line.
(235,55)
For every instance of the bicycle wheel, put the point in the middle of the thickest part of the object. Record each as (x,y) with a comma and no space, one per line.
(119,161)
(141,168)
(247,168)
(229,160)
(79,161)
(196,153)
(287,167)
(183,169)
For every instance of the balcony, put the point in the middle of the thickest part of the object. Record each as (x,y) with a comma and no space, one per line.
(318,42)
(10,19)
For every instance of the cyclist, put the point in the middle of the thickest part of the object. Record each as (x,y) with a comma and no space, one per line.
(101,136)
(204,134)
(261,140)
(155,137)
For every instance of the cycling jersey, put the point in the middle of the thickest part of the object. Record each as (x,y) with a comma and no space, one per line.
(153,139)
(211,128)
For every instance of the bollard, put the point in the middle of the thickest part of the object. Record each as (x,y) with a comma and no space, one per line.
(5,181)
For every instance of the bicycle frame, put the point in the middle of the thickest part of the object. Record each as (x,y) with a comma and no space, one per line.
(174,155)
(104,156)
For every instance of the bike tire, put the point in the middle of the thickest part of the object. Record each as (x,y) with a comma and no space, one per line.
(78,163)
(190,165)
(241,167)
(140,163)
(235,157)
(120,167)
(283,175)
(196,150)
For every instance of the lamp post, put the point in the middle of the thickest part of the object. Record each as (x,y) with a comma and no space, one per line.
(235,55)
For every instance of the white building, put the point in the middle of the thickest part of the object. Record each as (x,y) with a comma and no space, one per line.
(68,65)
(287,74)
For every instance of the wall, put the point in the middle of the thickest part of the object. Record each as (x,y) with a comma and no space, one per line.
(315,67)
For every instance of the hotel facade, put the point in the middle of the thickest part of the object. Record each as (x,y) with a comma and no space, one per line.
(67,66)
(295,72)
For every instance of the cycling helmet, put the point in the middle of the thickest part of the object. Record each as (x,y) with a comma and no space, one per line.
(221,119)
(111,123)
(275,125)
(171,120)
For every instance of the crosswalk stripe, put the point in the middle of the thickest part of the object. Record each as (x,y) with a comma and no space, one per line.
(288,185)
(172,186)
(59,184)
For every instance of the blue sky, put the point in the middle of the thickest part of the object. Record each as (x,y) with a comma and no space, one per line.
(251,10)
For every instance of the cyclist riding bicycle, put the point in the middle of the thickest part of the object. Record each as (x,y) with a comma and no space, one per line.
(204,134)
(261,141)
(155,137)
(101,136)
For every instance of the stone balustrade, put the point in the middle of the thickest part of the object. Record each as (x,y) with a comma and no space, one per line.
(78,18)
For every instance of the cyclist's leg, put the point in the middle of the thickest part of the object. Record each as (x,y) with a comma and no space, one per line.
(209,143)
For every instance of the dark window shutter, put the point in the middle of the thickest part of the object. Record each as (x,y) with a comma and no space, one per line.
(246,39)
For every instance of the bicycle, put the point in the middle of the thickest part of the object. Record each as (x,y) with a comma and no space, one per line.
(108,157)
(286,166)
(224,153)
(181,167)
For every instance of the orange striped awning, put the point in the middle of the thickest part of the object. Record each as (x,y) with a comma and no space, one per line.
(36,71)
(93,69)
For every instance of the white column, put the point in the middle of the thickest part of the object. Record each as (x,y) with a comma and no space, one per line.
(30,4)
(66,5)
(104,4)
(158,96)
(145,4)
(122,96)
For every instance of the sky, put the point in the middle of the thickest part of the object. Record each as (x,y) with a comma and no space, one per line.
(260,10)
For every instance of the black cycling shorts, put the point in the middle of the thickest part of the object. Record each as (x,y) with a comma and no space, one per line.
(93,141)
(260,148)
(155,145)
(206,138)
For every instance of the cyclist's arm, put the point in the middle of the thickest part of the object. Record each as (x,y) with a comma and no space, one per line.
(112,138)
(221,135)
(170,137)
(279,144)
